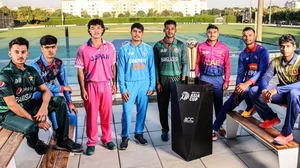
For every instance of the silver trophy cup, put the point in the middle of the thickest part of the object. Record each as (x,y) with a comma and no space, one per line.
(192,55)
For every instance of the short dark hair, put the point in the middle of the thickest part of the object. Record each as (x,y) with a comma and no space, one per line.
(248,28)
(19,41)
(96,22)
(168,22)
(48,39)
(211,26)
(138,26)
(287,38)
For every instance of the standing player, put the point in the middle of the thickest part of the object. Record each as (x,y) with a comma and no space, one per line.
(136,76)
(253,62)
(211,64)
(95,61)
(171,66)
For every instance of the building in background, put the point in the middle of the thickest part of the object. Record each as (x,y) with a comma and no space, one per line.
(98,7)
(293,4)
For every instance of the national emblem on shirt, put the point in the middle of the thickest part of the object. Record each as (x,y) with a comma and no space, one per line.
(294,71)
(176,50)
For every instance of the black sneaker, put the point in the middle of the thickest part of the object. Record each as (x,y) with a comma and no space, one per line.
(164,136)
(69,145)
(124,143)
(110,145)
(141,140)
(40,148)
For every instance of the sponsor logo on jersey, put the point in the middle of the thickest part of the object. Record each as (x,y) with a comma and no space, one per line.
(19,90)
(2,84)
(252,66)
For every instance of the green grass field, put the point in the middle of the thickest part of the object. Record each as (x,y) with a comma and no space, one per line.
(270,34)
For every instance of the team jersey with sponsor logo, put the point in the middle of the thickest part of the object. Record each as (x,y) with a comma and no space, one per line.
(252,64)
(51,72)
(135,63)
(97,62)
(18,83)
(287,73)
(170,58)
(213,60)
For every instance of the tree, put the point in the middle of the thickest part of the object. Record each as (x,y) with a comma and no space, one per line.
(5,10)
(113,14)
(84,14)
(165,13)
(127,14)
(56,13)
(106,15)
(141,14)
(150,12)
(24,13)
(40,15)
(121,15)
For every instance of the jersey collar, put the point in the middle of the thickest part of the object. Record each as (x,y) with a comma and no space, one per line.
(45,62)
(174,41)
(291,62)
(89,42)
(14,68)
(253,49)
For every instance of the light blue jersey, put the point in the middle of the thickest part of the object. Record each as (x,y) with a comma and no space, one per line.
(136,75)
(135,63)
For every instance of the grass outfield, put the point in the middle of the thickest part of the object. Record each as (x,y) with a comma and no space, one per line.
(270,34)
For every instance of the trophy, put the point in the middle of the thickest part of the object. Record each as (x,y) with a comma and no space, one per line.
(192,56)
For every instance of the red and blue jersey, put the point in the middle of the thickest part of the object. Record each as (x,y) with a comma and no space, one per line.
(252,64)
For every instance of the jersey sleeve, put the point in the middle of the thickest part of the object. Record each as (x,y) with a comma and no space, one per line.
(6,86)
(79,63)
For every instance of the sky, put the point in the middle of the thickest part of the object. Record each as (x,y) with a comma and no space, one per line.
(211,3)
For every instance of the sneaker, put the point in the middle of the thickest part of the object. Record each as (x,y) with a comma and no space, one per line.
(124,143)
(214,136)
(270,123)
(69,145)
(248,113)
(283,140)
(90,150)
(141,140)
(40,148)
(110,145)
(222,131)
(164,136)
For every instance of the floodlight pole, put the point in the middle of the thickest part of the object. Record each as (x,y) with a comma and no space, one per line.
(260,19)
(62,13)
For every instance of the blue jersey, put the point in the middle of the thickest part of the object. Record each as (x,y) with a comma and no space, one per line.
(252,64)
(50,73)
(135,63)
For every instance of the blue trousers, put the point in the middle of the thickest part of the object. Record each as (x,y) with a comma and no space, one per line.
(229,105)
(217,82)
(291,99)
(137,93)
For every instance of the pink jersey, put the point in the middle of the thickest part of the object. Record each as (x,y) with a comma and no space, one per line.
(213,60)
(96,62)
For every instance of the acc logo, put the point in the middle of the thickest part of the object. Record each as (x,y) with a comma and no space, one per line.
(19,90)
(163,50)
(255,57)
(184,96)
(2,84)
(188,120)
(205,52)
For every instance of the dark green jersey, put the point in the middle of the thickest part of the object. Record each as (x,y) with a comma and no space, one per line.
(170,59)
(18,83)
